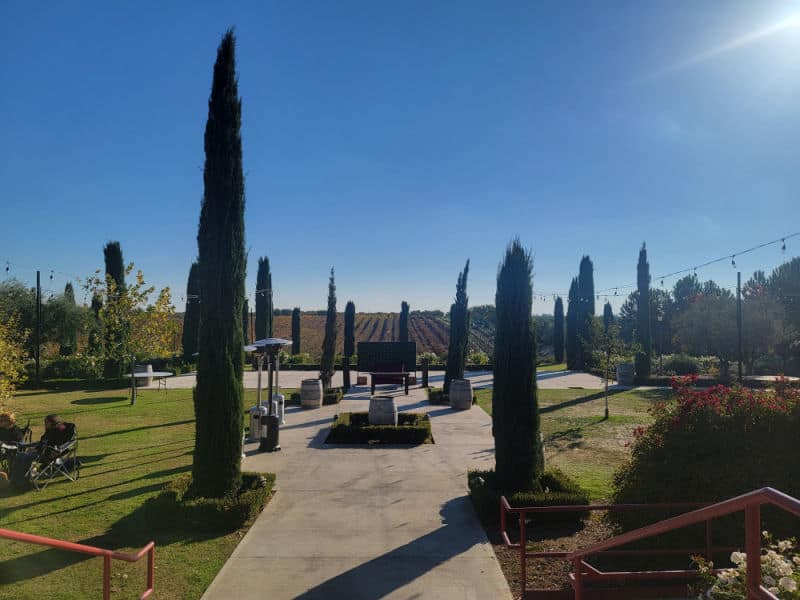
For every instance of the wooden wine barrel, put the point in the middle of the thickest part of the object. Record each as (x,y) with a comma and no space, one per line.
(382,411)
(311,393)
(625,374)
(460,394)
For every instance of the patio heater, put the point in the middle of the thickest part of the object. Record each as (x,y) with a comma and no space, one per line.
(266,420)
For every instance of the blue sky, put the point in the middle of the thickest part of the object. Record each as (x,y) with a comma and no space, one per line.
(394,140)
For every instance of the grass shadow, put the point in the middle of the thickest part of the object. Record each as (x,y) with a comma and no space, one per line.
(99,400)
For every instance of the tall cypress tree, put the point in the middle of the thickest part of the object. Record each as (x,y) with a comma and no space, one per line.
(403,325)
(515,411)
(70,338)
(585,315)
(115,269)
(216,469)
(296,331)
(326,367)
(558,331)
(459,332)
(246,321)
(191,316)
(643,316)
(608,316)
(264,308)
(572,325)
(349,329)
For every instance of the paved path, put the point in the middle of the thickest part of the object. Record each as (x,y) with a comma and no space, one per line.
(361,523)
(480,379)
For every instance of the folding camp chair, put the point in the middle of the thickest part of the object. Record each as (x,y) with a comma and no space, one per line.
(8,450)
(53,461)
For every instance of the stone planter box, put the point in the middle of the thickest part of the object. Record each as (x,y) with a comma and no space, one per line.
(460,394)
(382,411)
(311,393)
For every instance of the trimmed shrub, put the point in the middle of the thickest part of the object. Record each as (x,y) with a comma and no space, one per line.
(173,507)
(681,364)
(557,490)
(354,428)
(769,364)
(437,396)
(332,396)
(73,367)
(710,445)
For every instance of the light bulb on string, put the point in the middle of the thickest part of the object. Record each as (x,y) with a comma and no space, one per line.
(51,274)
(783,246)
(733,261)
(8,266)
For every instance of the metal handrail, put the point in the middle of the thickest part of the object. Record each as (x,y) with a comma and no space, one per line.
(108,555)
(750,503)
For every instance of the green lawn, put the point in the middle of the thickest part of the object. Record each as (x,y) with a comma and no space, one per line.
(578,440)
(127,453)
(553,367)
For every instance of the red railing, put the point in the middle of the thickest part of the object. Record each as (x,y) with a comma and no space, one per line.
(108,555)
(750,503)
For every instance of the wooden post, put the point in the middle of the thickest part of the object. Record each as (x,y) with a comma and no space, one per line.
(37,339)
(739,322)
(425,365)
(346,373)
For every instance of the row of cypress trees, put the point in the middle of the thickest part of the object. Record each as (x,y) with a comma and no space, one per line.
(579,321)
(580,314)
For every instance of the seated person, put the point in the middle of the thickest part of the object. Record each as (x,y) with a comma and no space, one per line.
(56,433)
(10,433)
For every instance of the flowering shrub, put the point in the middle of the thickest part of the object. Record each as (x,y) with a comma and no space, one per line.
(711,444)
(780,573)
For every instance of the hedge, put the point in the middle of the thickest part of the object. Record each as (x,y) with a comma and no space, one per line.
(557,490)
(354,428)
(173,508)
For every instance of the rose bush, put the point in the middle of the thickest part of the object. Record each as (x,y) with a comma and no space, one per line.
(712,444)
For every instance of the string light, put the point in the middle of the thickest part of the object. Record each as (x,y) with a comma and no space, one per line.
(733,261)
(783,246)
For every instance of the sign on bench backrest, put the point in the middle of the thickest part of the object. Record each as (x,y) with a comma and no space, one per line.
(372,353)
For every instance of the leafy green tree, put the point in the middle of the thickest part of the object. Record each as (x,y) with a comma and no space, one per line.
(349,329)
(135,326)
(558,331)
(295,331)
(264,309)
(218,397)
(643,316)
(763,326)
(403,325)
(783,284)
(326,368)
(191,315)
(572,344)
(459,332)
(685,291)
(515,411)
(95,333)
(708,327)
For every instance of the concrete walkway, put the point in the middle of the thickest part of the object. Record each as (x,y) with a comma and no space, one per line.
(355,522)
(479,379)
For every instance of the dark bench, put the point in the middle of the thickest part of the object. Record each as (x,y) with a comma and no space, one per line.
(393,373)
